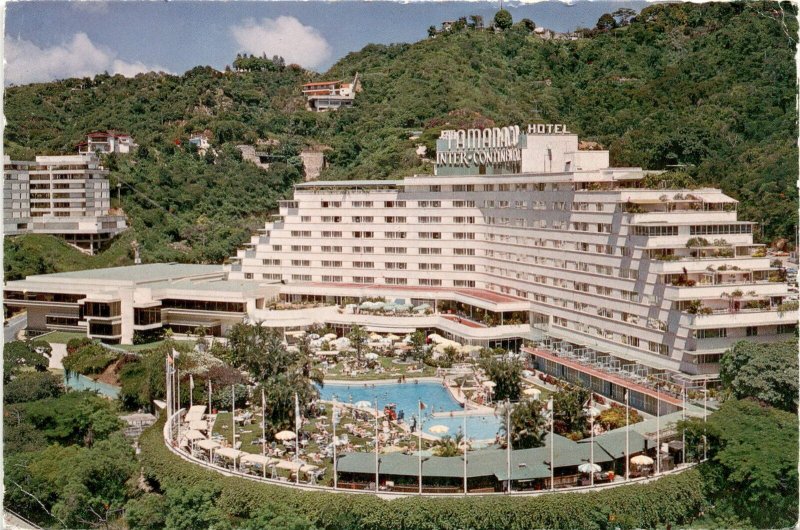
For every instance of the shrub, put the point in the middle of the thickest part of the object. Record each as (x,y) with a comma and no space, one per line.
(675,499)
(89,359)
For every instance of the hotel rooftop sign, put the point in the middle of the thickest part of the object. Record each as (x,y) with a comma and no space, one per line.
(489,151)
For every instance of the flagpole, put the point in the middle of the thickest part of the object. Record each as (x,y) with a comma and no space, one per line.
(191,389)
(658,428)
(168,373)
(552,443)
(233,417)
(627,438)
(683,441)
(297,438)
(209,395)
(465,449)
(419,449)
(508,444)
(333,423)
(263,425)
(705,418)
(591,435)
(377,483)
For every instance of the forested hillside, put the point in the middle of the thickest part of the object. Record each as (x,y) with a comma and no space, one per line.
(709,88)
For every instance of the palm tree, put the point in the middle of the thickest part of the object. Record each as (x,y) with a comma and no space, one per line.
(448,445)
(528,425)
(358,338)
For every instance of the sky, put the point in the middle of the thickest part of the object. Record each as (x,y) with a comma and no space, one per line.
(47,40)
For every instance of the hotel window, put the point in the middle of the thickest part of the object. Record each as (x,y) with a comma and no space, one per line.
(394,204)
(604,228)
(327,234)
(271,276)
(307,219)
(394,219)
(301,263)
(145,316)
(395,235)
(331,219)
(464,220)
(331,249)
(332,279)
(363,250)
(363,219)
(363,279)
(502,204)
(430,266)
(434,188)
(426,251)
(396,281)
(488,187)
(464,235)
(430,235)
(271,261)
(464,251)
(488,204)
(464,187)
(301,233)
(752,331)
(430,282)
(331,204)
(463,204)
(520,187)
(301,248)
(396,265)
(248,275)
(462,267)
(655,231)
(102,309)
(701,230)
(362,204)
(786,328)
(463,283)
(504,187)
(363,265)
(301,277)
(327,263)
(430,220)
(430,204)
(655,347)
(363,235)
(277,248)
(395,250)
(714,333)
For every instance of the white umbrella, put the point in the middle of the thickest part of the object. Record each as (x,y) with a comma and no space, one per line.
(535,392)
(593,411)
(371,356)
(489,384)
(439,429)
(642,460)
(374,336)
(363,404)
(285,435)
(392,336)
(588,468)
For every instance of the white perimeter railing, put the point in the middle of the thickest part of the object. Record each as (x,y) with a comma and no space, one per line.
(175,419)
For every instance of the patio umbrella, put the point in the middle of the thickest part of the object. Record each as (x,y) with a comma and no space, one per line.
(439,429)
(285,435)
(535,392)
(587,468)
(374,336)
(371,356)
(392,337)
(363,405)
(593,411)
(489,384)
(642,460)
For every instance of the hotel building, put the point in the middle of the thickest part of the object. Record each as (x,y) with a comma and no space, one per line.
(519,235)
(67,196)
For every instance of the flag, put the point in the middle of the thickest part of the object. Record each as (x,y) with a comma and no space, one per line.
(421,405)
(191,382)
(175,353)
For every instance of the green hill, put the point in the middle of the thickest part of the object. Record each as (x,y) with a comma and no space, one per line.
(710,88)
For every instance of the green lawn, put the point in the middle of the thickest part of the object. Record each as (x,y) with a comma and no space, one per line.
(393,371)
(61,337)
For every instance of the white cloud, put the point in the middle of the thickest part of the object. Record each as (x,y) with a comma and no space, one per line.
(25,62)
(284,36)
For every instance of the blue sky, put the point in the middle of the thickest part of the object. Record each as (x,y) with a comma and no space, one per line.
(51,40)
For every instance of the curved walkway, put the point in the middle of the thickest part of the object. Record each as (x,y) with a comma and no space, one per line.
(396,495)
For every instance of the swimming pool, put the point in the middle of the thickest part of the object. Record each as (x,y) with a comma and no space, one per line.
(406,396)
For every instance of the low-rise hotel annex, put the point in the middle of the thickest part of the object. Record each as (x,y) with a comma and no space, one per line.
(518,235)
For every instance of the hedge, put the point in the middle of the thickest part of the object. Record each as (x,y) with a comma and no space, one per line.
(675,499)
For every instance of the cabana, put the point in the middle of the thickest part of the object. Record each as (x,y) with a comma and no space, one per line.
(195,413)
(198,425)
(260,460)
(193,436)
(231,454)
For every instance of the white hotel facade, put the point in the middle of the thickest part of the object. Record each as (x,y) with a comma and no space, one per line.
(519,235)
(666,278)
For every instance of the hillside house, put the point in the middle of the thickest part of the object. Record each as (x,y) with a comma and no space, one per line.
(107,142)
(331,95)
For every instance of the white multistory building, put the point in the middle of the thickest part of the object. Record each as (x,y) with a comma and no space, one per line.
(521,229)
(68,196)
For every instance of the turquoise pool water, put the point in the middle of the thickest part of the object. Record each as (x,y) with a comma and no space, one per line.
(406,396)
(81,382)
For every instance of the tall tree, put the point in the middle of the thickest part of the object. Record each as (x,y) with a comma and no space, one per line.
(503,19)
(358,339)
(506,375)
(766,372)
(528,424)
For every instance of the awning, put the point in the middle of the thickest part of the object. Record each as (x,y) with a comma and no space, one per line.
(199,425)
(195,435)
(257,459)
(207,444)
(195,413)
(230,452)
